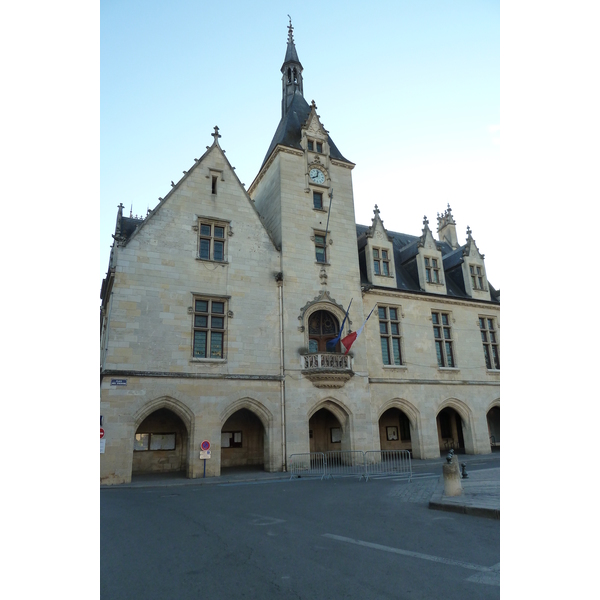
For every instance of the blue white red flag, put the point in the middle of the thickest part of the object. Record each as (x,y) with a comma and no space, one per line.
(331,344)
(347,342)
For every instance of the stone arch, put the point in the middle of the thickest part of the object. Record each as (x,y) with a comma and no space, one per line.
(337,408)
(181,411)
(258,408)
(459,406)
(466,418)
(264,444)
(174,405)
(405,406)
(414,417)
(493,404)
(492,416)
(322,420)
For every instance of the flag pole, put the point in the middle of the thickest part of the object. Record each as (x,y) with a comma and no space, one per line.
(328,213)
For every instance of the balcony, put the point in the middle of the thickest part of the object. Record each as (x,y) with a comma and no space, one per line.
(327,369)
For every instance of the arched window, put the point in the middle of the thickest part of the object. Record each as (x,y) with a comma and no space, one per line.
(322,327)
(295,76)
(289,75)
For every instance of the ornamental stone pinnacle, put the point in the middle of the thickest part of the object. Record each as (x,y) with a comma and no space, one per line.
(216,134)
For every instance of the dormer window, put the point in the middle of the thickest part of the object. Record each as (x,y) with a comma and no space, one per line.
(381,262)
(432,270)
(476,277)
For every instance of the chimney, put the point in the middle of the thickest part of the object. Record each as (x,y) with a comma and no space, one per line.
(447,228)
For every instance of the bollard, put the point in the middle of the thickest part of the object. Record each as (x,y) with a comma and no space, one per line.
(452,484)
(464,473)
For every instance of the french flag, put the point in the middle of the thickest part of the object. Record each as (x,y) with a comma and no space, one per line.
(331,344)
(347,342)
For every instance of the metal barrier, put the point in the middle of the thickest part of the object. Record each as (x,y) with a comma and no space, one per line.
(388,462)
(348,463)
(344,463)
(310,464)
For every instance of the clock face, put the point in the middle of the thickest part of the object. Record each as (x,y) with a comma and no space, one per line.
(317,176)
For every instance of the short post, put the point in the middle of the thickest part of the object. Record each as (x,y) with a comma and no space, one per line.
(452,484)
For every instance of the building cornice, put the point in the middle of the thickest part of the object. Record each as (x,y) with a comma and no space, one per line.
(434,298)
(431,382)
(168,374)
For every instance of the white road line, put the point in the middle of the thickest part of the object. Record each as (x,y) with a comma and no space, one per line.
(438,559)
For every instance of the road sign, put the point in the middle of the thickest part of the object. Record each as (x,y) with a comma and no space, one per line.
(205,454)
(205,445)
(101,433)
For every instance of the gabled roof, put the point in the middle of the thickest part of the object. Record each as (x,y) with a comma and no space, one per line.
(289,130)
(405,247)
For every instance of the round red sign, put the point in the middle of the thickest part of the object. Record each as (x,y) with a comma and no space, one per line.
(205,445)
(101,433)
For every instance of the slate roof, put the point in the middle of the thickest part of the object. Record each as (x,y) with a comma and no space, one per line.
(289,130)
(405,248)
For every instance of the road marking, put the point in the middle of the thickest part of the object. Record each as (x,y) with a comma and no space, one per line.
(438,559)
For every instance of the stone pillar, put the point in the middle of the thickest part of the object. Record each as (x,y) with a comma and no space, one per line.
(452,484)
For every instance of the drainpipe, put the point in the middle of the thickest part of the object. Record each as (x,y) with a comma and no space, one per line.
(279,279)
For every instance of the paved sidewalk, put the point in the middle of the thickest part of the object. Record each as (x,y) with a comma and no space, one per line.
(480,497)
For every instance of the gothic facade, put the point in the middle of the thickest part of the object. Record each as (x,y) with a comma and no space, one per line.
(228,317)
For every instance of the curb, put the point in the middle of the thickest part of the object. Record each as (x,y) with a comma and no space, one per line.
(476,511)
(437,502)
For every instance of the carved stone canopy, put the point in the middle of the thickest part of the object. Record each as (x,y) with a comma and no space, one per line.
(322,298)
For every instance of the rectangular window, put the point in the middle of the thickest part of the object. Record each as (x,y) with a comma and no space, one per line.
(154,441)
(319,147)
(442,335)
(231,439)
(318,200)
(214,184)
(320,249)
(476,277)
(310,145)
(489,339)
(389,332)
(432,270)
(381,262)
(336,435)
(209,328)
(211,244)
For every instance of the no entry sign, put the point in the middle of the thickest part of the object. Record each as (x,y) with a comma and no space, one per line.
(101,433)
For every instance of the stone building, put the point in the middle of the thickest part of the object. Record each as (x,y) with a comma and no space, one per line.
(218,307)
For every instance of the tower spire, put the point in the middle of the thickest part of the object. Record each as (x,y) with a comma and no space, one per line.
(292,72)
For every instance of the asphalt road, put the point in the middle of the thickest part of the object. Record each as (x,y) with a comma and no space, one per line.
(294,539)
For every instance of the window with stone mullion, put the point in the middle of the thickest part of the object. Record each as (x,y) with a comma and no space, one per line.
(442,334)
(209,328)
(389,330)
(491,350)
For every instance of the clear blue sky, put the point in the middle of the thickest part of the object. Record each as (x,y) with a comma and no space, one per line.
(409,91)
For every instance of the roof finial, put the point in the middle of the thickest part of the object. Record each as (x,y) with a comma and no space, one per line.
(468,232)
(290,31)
(425,221)
(376,210)
(216,134)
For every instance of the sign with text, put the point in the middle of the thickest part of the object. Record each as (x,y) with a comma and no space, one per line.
(118,382)
(102,446)
(205,454)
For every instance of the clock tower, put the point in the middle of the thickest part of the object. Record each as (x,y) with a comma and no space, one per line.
(303,194)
